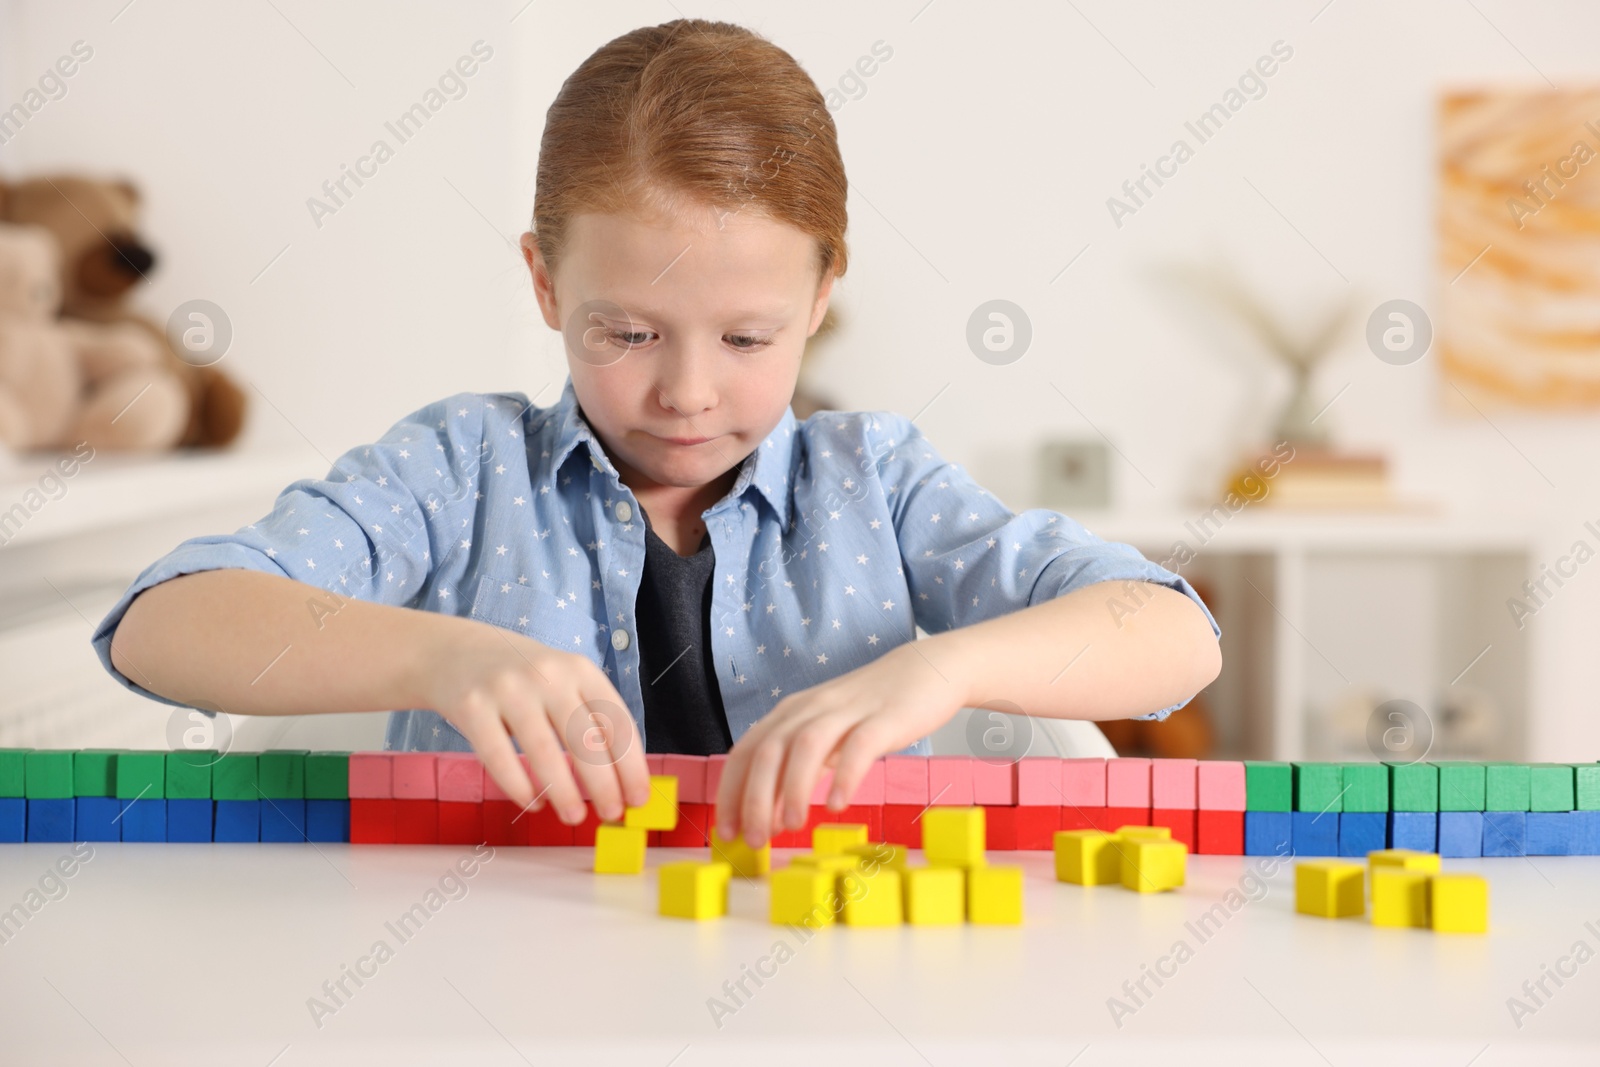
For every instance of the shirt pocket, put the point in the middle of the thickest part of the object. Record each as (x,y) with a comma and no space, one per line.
(524,609)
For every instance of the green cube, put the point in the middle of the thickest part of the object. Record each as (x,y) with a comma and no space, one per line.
(327,775)
(189,774)
(94,772)
(1507,787)
(12,774)
(281,774)
(1317,787)
(141,775)
(233,777)
(1551,787)
(1268,786)
(1413,787)
(48,774)
(1366,787)
(1587,792)
(1462,786)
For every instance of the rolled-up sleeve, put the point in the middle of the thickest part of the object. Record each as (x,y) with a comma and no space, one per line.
(363,532)
(968,558)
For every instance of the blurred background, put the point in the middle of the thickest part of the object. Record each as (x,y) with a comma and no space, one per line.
(1301,299)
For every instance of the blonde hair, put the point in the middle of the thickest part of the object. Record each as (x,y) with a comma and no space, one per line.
(692,112)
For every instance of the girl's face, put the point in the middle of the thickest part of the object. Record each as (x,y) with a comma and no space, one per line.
(683,334)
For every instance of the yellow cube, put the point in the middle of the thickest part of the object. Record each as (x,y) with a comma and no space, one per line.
(834,865)
(833,838)
(691,889)
(1145,833)
(1459,903)
(618,849)
(935,896)
(804,895)
(660,812)
(953,837)
(872,899)
(746,862)
(1405,859)
(1332,889)
(1399,897)
(879,854)
(1087,857)
(994,894)
(1152,865)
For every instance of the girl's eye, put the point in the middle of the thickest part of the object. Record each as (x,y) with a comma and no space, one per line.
(753,342)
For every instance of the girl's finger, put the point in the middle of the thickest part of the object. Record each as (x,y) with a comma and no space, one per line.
(487,734)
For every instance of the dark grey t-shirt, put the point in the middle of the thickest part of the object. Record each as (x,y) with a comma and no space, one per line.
(682,704)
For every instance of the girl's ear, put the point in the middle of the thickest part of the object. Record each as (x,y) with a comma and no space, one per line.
(819,309)
(544,289)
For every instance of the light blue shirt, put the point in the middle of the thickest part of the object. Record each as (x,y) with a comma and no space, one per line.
(840,536)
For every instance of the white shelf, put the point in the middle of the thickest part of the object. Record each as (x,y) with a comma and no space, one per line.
(1264,529)
(118,491)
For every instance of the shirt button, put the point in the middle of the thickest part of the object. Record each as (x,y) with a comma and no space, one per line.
(624,511)
(619,639)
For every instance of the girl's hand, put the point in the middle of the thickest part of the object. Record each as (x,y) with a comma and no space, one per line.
(493,684)
(845,723)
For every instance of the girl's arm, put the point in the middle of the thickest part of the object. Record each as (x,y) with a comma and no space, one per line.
(246,642)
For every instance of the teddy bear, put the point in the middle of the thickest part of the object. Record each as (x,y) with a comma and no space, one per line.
(103,256)
(65,383)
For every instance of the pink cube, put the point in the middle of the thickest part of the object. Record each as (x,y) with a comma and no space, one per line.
(1128,783)
(950,780)
(414,776)
(492,790)
(371,775)
(714,765)
(1221,785)
(459,777)
(1038,782)
(994,783)
(1172,783)
(655,762)
(1083,783)
(690,771)
(905,779)
(871,790)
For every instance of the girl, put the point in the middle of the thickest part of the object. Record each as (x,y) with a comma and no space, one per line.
(665,560)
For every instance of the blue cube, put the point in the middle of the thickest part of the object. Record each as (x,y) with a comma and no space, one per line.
(1585,833)
(50,820)
(1361,832)
(283,820)
(329,820)
(1416,830)
(97,819)
(145,820)
(1316,833)
(1268,833)
(13,820)
(237,820)
(1461,834)
(1505,833)
(189,820)
(1549,833)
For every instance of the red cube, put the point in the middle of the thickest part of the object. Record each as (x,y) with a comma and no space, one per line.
(498,829)
(1036,826)
(1220,833)
(371,821)
(693,829)
(1116,817)
(1179,820)
(1076,818)
(1000,827)
(902,824)
(460,823)
(416,822)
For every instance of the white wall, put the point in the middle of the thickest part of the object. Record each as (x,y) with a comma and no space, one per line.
(980,157)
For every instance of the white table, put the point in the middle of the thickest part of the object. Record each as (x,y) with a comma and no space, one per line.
(207,954)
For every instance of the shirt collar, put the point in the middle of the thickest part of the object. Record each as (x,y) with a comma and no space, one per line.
(767,469)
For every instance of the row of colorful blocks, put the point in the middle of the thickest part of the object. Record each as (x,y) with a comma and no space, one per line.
(1034,781)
